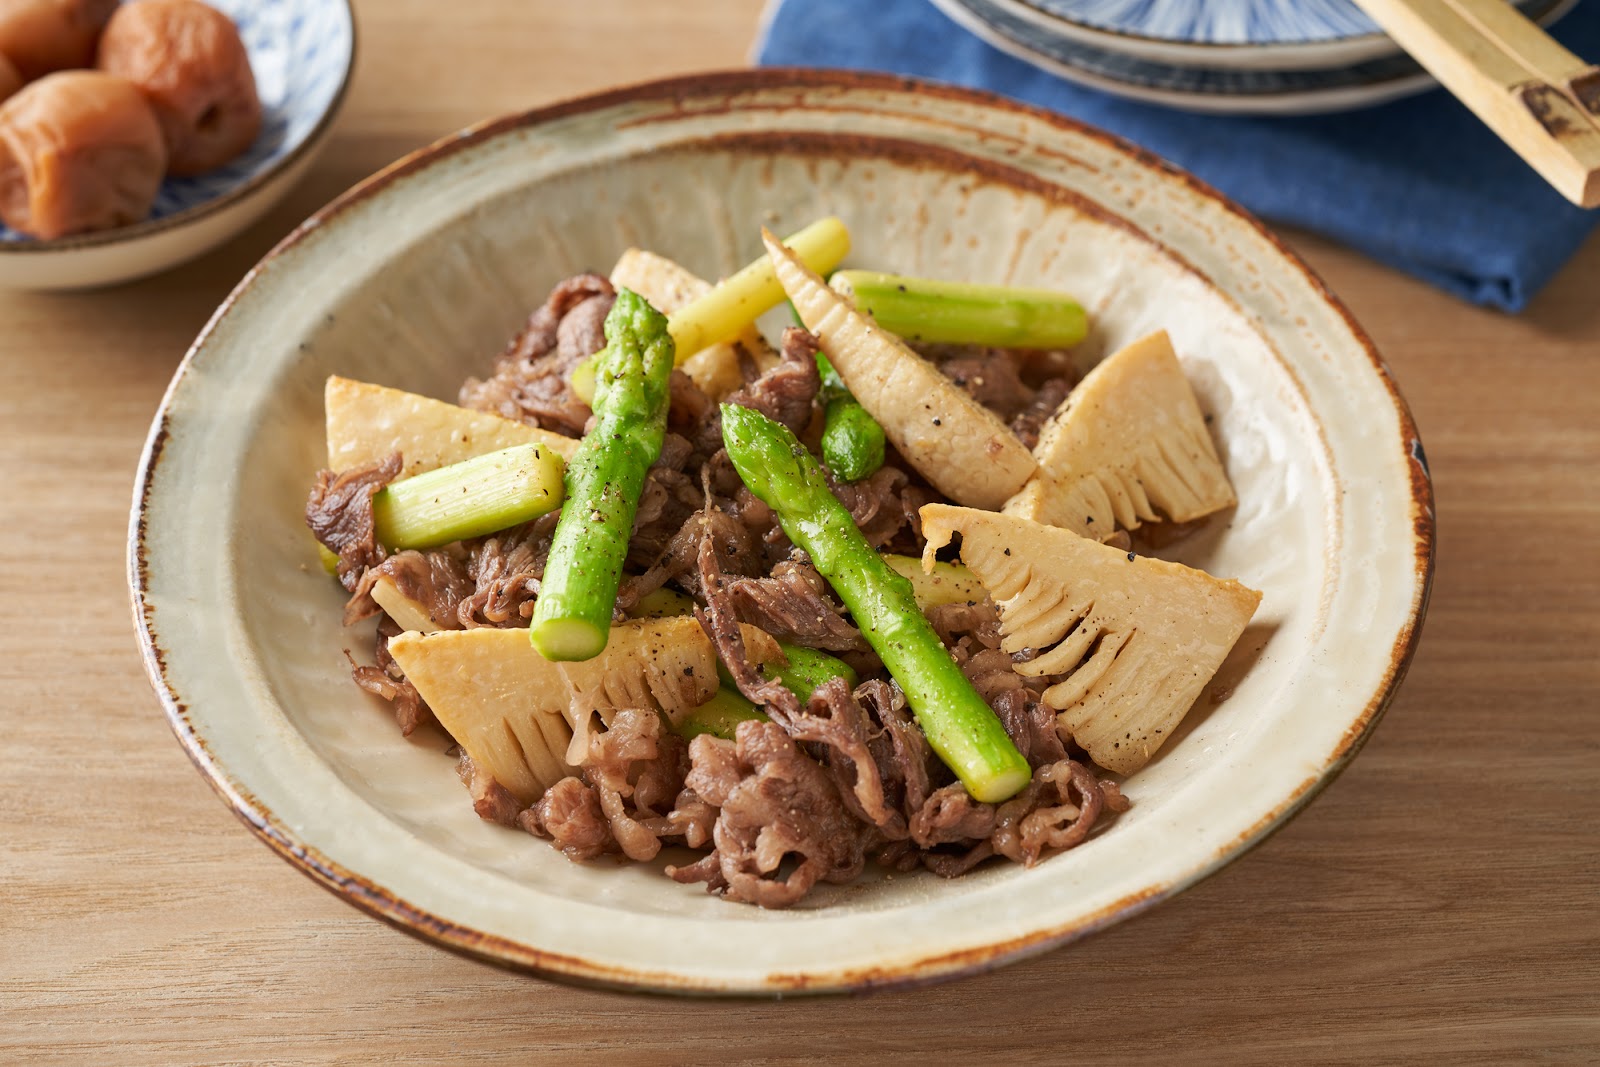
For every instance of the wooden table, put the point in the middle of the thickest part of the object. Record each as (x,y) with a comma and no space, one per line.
(1441,902)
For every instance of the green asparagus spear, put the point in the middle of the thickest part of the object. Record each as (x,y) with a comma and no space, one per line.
(1000,316)
(719,716)
(960,727)
(572,617)
(468,499)
(852,440)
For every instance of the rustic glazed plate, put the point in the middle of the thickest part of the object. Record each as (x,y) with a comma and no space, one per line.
(417,277)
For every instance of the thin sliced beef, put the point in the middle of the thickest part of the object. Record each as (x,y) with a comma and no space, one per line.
(339,512)
(991,378)
(505,569)
(1029,422)
(437,580)
(569,814)
(1055,810)
(882,504)
(794,605)
(388,681)
(835,719)
(530,379)
(781,826)
(491,800)
(787,393)
(721,623)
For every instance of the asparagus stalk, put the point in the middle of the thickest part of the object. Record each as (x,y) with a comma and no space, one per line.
(960,727)
(806,669)
(572,616)
(720,716)
(999,316)
(852,440)
(946,583)
(468,499)
(733,304)
(665,603)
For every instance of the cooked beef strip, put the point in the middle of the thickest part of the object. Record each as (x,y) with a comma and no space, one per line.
(991,378)
(339,512)
(1028,422)
(569,814)
(505,569)
(388,681)
(491,800)
(787,393)
(774,803)
(835,719)
(794,604)
(437,579)
(530,379)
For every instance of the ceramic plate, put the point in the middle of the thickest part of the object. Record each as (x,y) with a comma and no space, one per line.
(302,53)
(1219,90)
(417,277)
(1279,35)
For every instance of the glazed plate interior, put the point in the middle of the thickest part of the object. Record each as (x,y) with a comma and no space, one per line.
(418,278)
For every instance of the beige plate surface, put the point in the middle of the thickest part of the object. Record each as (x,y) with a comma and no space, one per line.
(417,278)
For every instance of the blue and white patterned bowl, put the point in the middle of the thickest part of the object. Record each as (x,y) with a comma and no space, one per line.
(1277,35)
(1218,90)
(303,54)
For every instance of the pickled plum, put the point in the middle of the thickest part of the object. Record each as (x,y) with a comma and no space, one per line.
(40,36)
(80,150)
(188,60)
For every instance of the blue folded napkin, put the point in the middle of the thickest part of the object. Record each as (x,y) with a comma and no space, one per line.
(1419,184)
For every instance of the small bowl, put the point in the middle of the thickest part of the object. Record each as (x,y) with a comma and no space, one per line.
(303,54)
(418,276)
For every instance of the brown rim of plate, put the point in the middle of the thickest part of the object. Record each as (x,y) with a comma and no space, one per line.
(309,143)
(382,904)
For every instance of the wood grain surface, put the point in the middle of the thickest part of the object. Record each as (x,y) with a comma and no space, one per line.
(1439,903)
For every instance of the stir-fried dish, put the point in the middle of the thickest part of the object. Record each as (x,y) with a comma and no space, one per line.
(871,595)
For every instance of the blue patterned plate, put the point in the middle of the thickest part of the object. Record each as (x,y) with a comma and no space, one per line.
(1239,34)
(302,53)
(1217,90)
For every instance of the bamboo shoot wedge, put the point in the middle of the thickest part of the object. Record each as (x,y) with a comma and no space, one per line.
(501,701)
(1135,638)
(959,445)
(1128,446)
(367,422)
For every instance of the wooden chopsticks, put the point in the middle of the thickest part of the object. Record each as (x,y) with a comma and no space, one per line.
(1538,97)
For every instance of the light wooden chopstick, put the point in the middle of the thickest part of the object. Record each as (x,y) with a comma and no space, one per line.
(1541,99)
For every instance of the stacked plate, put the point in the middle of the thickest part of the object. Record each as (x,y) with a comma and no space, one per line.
(1221,56)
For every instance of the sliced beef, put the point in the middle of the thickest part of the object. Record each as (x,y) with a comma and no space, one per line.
(505,569)
(437,579)
(388,681)
(881,504)
(992,379)
(835,720)
(794,605)
(569,814)
(1029,422)
(632,764)
(781,825)
(491,800)
(787,393)
(339,512)
(1054,811)
(530,379)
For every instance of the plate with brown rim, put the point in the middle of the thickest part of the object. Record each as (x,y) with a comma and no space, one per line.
(418,276)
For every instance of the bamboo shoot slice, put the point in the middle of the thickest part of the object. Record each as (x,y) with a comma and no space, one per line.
(1137,638)
(1128,446)
(959,445)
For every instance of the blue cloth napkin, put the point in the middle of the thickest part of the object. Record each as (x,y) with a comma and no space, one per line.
(1419,184)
